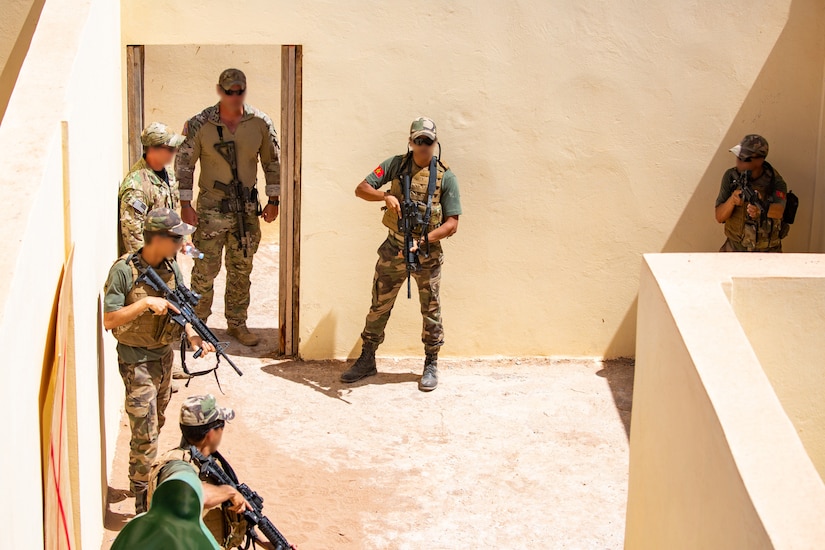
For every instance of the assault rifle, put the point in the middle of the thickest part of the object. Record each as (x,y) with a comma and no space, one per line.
(185,301)
(255,517)
(413,221)
(749,194)
(238,195)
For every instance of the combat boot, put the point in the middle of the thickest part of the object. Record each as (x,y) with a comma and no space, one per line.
(140,502)
(242,335)
(429,378)
(364,366)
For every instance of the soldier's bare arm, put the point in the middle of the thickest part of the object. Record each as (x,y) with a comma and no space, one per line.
(126,314)
(369,193)
(215,495)
(724,210)
(443,231)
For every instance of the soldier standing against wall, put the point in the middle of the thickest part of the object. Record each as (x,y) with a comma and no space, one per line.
(229,133)
(138,317)
(391,269)
(148,185)
(752,227)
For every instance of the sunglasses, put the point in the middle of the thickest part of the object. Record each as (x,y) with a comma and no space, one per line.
(748,159)
(235,92)
(423,141)
(176,238)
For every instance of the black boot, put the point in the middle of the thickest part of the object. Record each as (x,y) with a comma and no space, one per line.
(364,366)
(140,502)
(429,378)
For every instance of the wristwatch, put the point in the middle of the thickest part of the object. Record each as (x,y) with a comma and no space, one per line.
(274,202)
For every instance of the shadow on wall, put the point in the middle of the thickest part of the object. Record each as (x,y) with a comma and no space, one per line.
(777,107)
(17,55)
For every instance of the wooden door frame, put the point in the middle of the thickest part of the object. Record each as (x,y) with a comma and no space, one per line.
(290,209)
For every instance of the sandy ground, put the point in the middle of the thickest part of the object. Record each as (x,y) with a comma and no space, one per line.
(515,453)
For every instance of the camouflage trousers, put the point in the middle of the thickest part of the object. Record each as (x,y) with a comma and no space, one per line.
(148,390)
(390,276)
(216,232)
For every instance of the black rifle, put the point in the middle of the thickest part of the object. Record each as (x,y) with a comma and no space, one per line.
(237,193)
(412,221)
(185,300)
(212,471)
(749,194)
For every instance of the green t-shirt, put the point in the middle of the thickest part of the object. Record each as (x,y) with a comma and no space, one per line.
(390,168)
(770,184)
(118,285)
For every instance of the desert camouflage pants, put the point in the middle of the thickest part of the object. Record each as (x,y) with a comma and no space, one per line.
(390,276)
(148,389)
(216,233)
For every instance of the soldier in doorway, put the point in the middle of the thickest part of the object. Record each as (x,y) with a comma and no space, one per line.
(228,139)
(391,268)
(754,226)
(138,317)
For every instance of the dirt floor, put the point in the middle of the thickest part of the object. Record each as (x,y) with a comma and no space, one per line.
(515,453)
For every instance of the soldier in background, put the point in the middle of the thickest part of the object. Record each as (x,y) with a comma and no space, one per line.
(747,227)
(254,138)
(391,269)
(138,317)
(148,185)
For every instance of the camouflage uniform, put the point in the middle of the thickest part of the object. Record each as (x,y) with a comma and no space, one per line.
(255,138)
(228,528)
(143,189)
(742,233)
(144,349)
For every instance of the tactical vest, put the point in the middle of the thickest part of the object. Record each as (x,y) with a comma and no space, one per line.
(148,330)
(418,193)
(754,235)
(228,528)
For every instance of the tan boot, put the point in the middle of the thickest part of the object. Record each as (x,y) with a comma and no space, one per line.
(178,374)
(242,335)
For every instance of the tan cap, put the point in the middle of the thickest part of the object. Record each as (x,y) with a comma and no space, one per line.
(232,77)
(158,134)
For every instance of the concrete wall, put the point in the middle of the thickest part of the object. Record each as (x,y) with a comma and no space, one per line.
(715,461)
(784,320)
(72,73)
(582,134)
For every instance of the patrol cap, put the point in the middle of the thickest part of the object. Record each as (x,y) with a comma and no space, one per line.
(158,133)
(422,126)
(200,410)
(231,77)
(166,219)
(752,145)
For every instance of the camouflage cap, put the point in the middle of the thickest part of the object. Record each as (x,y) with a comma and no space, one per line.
(232,77)
(158,133)
(752,145)
(422,126)
(200,410)
(166,219)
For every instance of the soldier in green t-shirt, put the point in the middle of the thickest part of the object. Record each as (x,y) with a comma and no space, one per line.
(138,317)
(752,227)
(391,269)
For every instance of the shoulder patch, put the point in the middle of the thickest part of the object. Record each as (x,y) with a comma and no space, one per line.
(139,206)
(378,172)
(780,194)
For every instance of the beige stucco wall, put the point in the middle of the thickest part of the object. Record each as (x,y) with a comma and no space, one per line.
(784,320)
(72,73)
(16,29)
(715,461)
(582,134)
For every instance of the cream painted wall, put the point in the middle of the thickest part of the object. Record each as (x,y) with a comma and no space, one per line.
(79,82)
(583,135)
(16,28)
(714,460)
(775,314)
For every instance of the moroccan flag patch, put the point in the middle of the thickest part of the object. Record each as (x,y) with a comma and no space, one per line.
(378,172)
(780,194)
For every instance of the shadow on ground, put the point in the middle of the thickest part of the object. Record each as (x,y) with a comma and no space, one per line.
(115,521)
(325,376)
(619,375)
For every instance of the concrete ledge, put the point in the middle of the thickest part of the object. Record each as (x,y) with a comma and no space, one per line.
(715,460)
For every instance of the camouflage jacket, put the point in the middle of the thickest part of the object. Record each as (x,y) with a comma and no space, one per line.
(255,139)
(141,191)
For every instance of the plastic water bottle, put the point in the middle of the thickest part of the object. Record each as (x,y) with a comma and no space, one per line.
(190,250)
